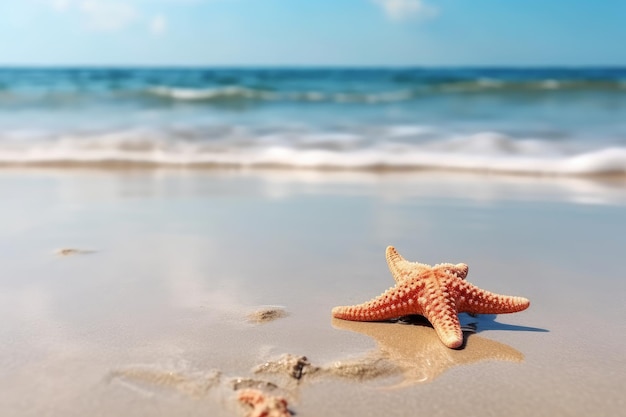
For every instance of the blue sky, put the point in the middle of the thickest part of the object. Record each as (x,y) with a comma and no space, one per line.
(312,32)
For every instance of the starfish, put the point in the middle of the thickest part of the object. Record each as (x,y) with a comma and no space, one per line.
(437,292)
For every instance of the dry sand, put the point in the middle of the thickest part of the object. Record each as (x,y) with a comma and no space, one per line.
(157,321)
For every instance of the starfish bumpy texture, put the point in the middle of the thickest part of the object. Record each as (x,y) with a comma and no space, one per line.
(437,292)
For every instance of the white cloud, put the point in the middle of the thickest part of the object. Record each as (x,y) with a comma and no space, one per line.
(405,9)
(158,24)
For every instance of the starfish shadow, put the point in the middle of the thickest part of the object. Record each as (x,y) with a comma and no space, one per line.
(482,322)
(412,346)
(470,323)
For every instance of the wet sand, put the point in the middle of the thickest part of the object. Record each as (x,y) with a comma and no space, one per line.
(156,319)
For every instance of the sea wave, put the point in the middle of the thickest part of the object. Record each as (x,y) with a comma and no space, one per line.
(481,85)
(492,85)
(486,152)
(337,93)
(233,93)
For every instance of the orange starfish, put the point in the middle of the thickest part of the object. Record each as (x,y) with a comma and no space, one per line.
(263,405)
(438,293)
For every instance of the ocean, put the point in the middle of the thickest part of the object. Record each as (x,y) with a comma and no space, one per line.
(550,121)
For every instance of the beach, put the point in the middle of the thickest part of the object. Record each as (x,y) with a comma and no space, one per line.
(173,238)
(132,291)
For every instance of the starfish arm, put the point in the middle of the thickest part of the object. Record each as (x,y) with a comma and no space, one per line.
(395,302)
(478,301)
(439,306)
(441,312)
(400,267)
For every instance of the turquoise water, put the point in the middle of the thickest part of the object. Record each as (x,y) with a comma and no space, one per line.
(534,121)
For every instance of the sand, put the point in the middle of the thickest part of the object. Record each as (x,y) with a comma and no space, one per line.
(156,321)
(267,314)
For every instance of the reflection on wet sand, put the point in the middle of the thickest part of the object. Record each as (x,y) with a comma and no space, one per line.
(419,353)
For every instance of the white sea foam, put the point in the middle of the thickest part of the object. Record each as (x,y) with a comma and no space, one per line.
(482,152)
(496,144)
(409,130)
(209,93)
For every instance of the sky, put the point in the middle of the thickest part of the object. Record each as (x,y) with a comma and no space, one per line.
(313,32)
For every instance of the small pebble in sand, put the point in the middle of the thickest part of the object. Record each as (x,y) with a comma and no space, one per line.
(260,404)
(267,314)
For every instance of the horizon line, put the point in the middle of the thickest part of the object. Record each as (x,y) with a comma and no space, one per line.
(303,66)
